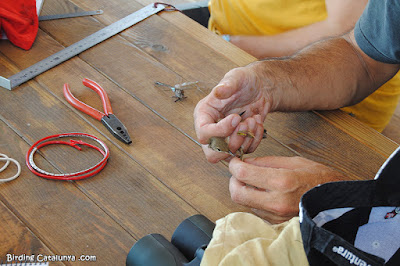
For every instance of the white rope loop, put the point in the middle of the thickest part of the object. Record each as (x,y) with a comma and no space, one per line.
(7,159)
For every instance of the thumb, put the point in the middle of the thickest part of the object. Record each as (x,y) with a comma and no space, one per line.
(229,84)
(223,90)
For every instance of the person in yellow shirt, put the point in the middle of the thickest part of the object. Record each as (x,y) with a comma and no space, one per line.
(276,28)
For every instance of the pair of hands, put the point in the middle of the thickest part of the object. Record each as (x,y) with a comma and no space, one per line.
(271,186)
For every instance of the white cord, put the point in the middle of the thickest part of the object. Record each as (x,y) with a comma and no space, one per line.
(6,164)
(7,159)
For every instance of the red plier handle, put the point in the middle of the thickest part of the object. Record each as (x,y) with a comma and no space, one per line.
(86,108)
(108,119)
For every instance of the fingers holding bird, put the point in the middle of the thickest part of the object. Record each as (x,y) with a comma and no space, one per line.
(247,135)
(244,139)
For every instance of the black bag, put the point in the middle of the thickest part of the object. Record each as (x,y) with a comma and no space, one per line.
(354,222)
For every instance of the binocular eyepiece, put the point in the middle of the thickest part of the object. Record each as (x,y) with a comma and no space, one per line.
(187,245)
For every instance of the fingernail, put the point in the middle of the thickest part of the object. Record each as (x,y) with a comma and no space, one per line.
(236,120)
(242,128)
(219,91)
(218,86)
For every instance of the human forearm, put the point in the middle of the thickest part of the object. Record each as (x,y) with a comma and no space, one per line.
(341,18)
(326,75)
(283,44)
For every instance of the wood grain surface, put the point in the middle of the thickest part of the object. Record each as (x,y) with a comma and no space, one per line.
(163,177)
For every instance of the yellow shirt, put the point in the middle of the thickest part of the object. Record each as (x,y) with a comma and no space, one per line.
(268,17)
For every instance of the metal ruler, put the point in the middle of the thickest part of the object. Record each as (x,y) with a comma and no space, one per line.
(71,15)
(80,46)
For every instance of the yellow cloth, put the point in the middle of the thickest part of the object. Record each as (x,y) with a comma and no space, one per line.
(377,109)
(245,239)
(263,17)
(268,17)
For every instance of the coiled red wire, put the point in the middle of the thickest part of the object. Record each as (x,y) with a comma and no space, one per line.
(55,139)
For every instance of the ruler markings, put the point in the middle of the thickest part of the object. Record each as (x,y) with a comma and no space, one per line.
(70,15)
(80,46)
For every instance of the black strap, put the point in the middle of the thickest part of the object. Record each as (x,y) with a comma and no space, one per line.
(336,248)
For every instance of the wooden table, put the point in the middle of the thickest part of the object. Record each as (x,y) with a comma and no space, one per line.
(163,177)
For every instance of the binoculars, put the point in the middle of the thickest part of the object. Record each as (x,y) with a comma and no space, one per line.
(187,245)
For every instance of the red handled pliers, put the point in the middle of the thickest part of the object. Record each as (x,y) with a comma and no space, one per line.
(109,120)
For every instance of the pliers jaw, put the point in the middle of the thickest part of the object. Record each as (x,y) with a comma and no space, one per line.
(110,121)
(115,126)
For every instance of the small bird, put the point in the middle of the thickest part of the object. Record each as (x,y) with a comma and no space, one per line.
(219,144)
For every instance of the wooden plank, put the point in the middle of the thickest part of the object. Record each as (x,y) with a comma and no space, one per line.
(16,239)
(60,215)
(315,139)
(146,32)
(190,27)
(65,119)
(163,177)
(128,193)
(178,114)
(153,138)
(94,59)
(215,201)
(163,41)
(337,118)
(359,131)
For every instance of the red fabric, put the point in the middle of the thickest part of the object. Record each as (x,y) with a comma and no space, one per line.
(19,20)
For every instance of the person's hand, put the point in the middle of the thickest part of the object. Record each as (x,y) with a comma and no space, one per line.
(218,114)
(272,186)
